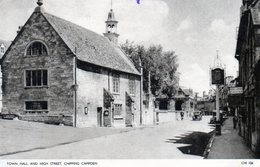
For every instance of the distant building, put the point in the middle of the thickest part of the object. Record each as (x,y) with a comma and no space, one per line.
(247,54)
(3,47)
(206,104)
(58,72)
(184,100)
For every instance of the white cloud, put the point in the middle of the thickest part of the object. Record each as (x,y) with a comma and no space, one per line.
(136,22)
(219,25)
(191,38)
(231,65)
(153,21)
(194,76)
(185,25)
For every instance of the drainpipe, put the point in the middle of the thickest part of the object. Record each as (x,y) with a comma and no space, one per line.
(75,87)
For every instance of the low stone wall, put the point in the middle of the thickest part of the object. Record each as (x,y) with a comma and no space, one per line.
(56,120)
(166,116)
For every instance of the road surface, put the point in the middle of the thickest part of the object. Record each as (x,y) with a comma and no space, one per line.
(142,143)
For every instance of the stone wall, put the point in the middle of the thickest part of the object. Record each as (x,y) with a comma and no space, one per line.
(58,62)
(54,120)
(90,95)
(166,116)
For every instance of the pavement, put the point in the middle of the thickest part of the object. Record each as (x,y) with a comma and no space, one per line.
(141,143)
(229,145)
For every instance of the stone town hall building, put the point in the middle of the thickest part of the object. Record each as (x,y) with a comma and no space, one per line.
(57,71)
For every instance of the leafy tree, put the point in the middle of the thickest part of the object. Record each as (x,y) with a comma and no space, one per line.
(161,65)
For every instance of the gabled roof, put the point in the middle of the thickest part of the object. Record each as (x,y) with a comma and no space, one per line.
(6,43)
(91,47)
(253,10)
(186,92)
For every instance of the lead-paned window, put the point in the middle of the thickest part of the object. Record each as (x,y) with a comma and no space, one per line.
(36,105)
(116,83)
(132,86)
(36,78)
(118,109)
(36,49)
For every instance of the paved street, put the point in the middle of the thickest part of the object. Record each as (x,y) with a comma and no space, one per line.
(229,145)
(21,136)
(149,142)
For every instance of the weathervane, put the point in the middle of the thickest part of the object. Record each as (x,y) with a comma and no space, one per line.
(217,61)
(40,2)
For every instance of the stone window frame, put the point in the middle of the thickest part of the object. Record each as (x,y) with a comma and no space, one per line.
(116,83)
(118,107)
(37,69)
(34,41)
(132,86)
(36,111)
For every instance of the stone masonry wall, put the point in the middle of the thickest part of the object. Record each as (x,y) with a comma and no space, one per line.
(90,95)
(59,63)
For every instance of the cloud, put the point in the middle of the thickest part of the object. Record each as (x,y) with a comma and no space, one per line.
(195,77)
(231,65)
(191,38)
(219,25)
(184,25)
(193,29)
(136,22)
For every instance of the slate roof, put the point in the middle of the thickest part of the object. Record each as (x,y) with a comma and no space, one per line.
(91,47)
(253,10)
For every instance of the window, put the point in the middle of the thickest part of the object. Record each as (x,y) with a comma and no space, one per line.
(116,83)
(36,78)
(2,49)
(36,49)
(32,106)
(117,109)
(132,87)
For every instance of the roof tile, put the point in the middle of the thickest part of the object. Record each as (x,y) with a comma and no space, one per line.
(90,46)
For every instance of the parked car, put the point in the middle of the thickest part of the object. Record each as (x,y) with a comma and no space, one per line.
(197,115)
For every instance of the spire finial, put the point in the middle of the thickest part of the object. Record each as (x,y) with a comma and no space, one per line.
(111,4)
(39,8)
(40,2)
(217,61)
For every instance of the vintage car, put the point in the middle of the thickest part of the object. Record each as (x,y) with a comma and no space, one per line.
(197,115)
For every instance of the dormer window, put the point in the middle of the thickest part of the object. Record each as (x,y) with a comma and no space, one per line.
(2,49)
(36,49)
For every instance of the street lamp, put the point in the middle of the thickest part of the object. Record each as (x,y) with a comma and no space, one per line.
(217,78)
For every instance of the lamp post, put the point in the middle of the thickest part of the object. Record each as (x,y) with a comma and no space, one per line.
(217,78)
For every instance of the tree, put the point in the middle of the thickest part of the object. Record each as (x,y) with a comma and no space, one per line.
(161,65)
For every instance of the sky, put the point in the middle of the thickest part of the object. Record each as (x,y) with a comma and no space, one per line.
(194,29)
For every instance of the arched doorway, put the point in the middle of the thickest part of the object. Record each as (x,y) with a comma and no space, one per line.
(178,105)
(163,104)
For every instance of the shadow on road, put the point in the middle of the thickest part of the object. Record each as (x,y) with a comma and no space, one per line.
(197,141)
